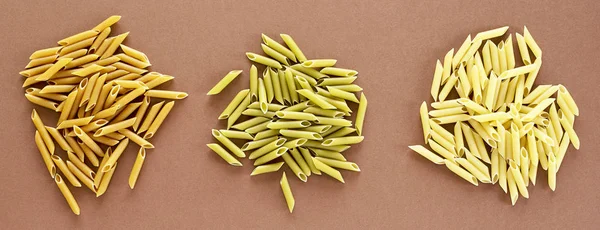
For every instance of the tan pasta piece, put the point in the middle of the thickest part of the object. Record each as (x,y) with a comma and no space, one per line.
(95,87)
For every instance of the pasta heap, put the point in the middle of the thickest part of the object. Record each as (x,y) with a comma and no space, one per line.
(296,113)
(498,107)
(94,88)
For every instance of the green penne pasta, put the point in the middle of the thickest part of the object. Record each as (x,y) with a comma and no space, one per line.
(236,134)
(288,124)
(239,97)
(257,143)
(339,164)
(224,154)
(262,169)
(270,107)
(263,60)
(300,134)
(342,140)
(267,148)
(328,170)
(278,47)
(314,98)
(251,122)
(291,115)
(227,143)
(224,82)
(328,154)
(289,41)
(336,81)
(339,72)
(270,156)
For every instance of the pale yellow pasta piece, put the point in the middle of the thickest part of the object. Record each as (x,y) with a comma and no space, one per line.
(300,134)
(336,81)
(512,187)
(43,133)
(568,99)
(502,57)
(60,140)
(552,168)
(452,80)
(45,52)
(49,73)
(78,37)
(474,46)
(228,143)
(531,43)
(77,121)
(427,154)
(461,51)
(42,102)
(568,127)
(166,94)
(501,116)
(473,170)
(460,172)
(523,50)
(114,156)
(518,178)
(132,95)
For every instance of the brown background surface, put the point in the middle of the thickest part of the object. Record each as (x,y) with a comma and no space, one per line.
(393,44)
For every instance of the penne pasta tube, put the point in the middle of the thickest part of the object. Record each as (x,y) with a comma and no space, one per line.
(473,170)
(270,156)
(518,178)
(269,90)
(495,158)
(135,138)
(84,179)
(342,132)
(236,134)
(448,112)
(293,166)
(561,150)
(258,128)
(62,166)
(159,119)
(537,110)
(107,23)
(512,187)
(502,176)
(339,72)
(46,155)
(451,119)
(343,94)
(60,140)
(319,63)
(166,94)
(296,115)
(315,99)
(158,81)
(289,41)
(114,127)
(525,165)
(291,85)
(288,124)
(106,178)
(224,82)
(150,116)
(278,47)
(35,72)
(57,89)
(552,168)
(141,111)
(104,140)
(265,148)
(568,127)
(42,102)
(67,194)
(568,99)
(263,60)
(299,159)
(43,133)
(137,167)
(309,74)
(531,43)
(270,107)
(266,134)
(502,57)
(287,192)
(41,61)
(45,52)
(427,154)
(461,51)
(301,134)
(489,34)
(95,93)
(336,81)
(75,122)
(228,143)
(89,154)
(453,167)
(498,116)
(328,170)
(258,143)
(127,98)
(262,169)
(275,55)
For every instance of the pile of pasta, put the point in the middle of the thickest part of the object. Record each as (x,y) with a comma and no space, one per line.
(295,112)
(95,88)
(501,125)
